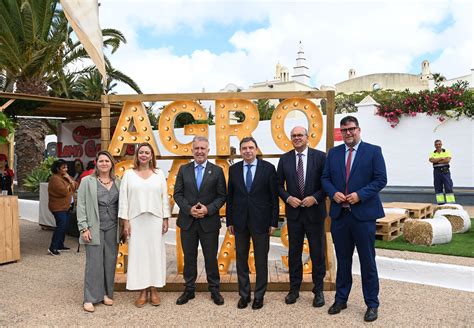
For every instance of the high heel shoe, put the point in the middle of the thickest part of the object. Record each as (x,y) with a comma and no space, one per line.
(141,301)
(154,297)
(108,301)
(89,307)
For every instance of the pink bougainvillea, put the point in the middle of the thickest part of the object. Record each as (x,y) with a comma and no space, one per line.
(442,102)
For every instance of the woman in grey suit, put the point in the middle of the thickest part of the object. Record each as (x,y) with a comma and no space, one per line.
(97,219)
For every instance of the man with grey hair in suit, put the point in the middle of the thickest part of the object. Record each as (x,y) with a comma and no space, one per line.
(200,191)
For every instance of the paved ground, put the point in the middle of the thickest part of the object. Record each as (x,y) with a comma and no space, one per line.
(42,290)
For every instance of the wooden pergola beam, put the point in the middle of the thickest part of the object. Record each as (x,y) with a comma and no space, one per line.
(5,105)
(218,95)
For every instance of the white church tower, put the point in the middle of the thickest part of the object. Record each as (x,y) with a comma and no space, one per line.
(301,71)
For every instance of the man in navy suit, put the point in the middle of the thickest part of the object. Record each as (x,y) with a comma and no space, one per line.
(353,176)
(200,192)
(252,212)
(299,186)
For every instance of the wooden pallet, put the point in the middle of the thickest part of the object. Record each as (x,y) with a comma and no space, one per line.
(390,226)
(278,279)
(415,210)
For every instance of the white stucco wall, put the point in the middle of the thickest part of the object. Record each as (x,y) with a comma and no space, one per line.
(407,146)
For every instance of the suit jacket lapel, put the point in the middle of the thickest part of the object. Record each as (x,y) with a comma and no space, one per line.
(358,156)
(205,173)
(258,174)
(292,164)
(192,175)
(309,168)
(342,161)
(240,173)
(93,192)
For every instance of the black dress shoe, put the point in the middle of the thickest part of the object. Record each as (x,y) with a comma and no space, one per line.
(53,252)
(371,314)
(243,302)
(292,297)
(337,307)
(318,300)
(185,297)
(217,298)
(257,304)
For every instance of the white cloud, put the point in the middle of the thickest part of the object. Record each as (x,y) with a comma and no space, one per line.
(371,37)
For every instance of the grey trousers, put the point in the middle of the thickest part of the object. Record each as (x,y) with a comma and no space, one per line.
(100,267)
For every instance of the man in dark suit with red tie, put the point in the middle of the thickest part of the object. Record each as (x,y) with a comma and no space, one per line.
(299,186)
(252,212)
(353,176)
(200,192)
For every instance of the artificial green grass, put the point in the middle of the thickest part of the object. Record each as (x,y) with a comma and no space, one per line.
(462,244)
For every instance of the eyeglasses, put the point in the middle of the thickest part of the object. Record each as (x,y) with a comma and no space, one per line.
(350,130)
(294,136)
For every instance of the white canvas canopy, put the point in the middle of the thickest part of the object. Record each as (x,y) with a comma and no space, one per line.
(83,15)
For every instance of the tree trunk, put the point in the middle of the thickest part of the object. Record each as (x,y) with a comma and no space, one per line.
(29,134)
(29,147)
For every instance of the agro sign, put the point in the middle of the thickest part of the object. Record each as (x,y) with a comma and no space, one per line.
(134,127)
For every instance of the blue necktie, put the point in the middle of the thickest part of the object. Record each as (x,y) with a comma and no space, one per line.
(199,176)
(248,177)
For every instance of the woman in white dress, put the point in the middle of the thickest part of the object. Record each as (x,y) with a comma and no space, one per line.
(144,210)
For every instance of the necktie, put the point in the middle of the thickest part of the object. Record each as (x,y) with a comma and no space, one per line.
(199,176)
(300,175)
(348,169)
(248,177)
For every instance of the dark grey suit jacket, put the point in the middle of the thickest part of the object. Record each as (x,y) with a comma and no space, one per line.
(212,194)
(288,185)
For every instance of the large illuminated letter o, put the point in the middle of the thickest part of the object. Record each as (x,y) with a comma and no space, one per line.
(313,115)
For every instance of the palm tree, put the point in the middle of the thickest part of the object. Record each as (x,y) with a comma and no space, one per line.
(30,37)
(36,50)
(265,110)
(89,85)
(438,77)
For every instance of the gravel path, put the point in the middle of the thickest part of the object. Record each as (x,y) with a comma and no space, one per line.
(42,290)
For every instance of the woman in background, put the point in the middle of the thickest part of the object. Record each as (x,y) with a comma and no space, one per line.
(97,220)
(144,210)
(61,188)
(6,176)
(78,169)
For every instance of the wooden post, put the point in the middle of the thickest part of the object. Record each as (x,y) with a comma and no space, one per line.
(330,112)
(105,123)
(9,229)
(330,261)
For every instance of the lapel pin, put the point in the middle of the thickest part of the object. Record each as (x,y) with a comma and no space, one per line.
(209,172)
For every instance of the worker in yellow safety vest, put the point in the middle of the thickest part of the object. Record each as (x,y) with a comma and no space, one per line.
(441,174)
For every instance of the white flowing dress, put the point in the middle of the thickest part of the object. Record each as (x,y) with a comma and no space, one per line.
(144,202)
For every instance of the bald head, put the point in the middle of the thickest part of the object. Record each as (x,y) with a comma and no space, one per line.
(299,138)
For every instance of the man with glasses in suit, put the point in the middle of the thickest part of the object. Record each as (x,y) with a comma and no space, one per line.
(299,186)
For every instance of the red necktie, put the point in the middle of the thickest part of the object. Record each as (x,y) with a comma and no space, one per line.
(348,169)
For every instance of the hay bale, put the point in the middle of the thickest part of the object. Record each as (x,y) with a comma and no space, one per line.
(448,207)
(459,219)
(427,231)
(395,210)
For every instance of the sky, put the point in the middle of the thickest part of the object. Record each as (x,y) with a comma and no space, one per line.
(191,46)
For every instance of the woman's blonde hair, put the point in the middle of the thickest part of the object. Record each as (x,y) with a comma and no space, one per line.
(112,160)
(152,163)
